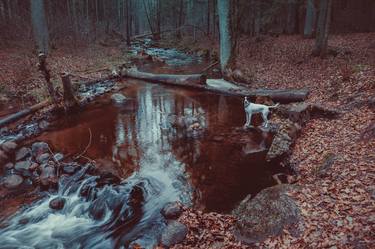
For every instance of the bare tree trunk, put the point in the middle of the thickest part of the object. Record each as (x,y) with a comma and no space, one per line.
(227,43)
(180,15)
(292,16)
(42,66)
(127,23)
(208,17)
(321,43)
(310,19)
(39,25)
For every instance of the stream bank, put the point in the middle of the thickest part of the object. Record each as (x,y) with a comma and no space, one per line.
(148,147)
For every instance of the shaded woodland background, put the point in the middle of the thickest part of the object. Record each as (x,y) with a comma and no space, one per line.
(82,22)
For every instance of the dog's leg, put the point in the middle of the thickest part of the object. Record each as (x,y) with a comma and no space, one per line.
(247,119)
(265,118)
(248,123)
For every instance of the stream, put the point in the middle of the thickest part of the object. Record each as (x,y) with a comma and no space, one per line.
(163,144)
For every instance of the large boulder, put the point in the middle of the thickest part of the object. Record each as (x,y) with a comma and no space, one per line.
(174,233)
(283,140)
(267,214)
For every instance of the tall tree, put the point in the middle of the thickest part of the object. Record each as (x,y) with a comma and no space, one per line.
(39,25)
(309,19)
(292,17)
(227,39)
(321,43)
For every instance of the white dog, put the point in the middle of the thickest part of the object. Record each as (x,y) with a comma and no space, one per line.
(251,108)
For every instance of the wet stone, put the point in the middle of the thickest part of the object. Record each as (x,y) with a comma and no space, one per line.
(43,124)
(172,210)
(3,158)
(174,233)
(12,181)
(23,153)
(23,221)
(9,147)
(57,203)
(43,158)
(58,157)
(118,98)
(70,168)
(39,148)
(22,166)
(34,166)
(9,166)
(48,177)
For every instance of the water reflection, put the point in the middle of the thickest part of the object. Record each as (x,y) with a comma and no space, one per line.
(190,141)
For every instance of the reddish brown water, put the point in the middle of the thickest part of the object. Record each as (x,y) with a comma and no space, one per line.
(221,162)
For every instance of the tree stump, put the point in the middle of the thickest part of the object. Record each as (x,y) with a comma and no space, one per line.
(70,101)
(42,66)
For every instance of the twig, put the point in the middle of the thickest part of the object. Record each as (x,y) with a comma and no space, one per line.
(209,67)
(85,150)
(54,159)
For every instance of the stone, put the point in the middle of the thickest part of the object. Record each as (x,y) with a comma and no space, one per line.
(3,158)
(172,210)
(48,177)
(267,214)
(283,141)
(39,148)
(9,166)
(9,147)
(70,168)
(12,181)
(174,233)
(23,153)
(118,98)
(57,203)
(58,157)
(22,166)
(34,166)
(43,124)
(43,158)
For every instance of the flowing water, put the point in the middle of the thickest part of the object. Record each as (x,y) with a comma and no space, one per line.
(166,144)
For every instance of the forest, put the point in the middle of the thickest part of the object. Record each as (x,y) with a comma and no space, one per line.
(187,124)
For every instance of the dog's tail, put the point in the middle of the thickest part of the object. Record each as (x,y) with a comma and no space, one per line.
(274,106)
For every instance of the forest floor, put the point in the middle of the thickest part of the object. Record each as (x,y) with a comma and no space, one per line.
(21,84)
(337,209)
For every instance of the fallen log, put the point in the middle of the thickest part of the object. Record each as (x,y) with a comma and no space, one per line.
(199,81)
(278,95)
(23,113)
(172,79)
